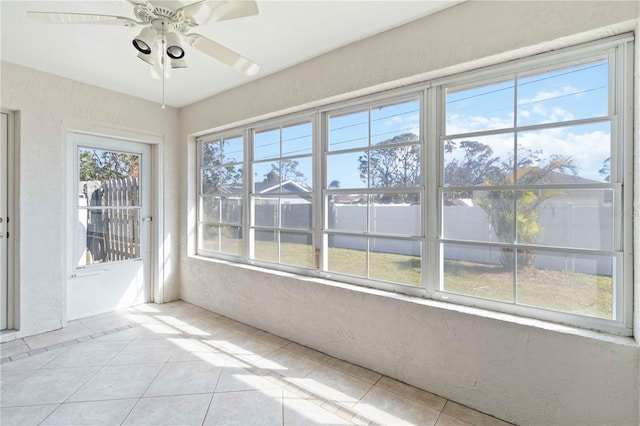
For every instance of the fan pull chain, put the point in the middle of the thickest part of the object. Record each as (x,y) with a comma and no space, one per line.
(164,63)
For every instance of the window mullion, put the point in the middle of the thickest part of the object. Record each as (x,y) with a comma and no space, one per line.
(433,118)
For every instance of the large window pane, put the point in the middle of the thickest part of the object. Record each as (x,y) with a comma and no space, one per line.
(347,212)
(266,177)
(477,271)
(565,155)
(392,167)
(296,174)
(296,249)
(297,139)
(266,246)
(233,150)
(209,237)
(266,211)
(485,216)
(232,210)
(347,255)
(568,282)
(566,218)
(266,144)
(484,160)
(222,180)
(395,123)
(481,108)
(349,131)
(395,261)
(210,208)
(348,170)
(231,240)
(566,94)
(395,214)
(295,211)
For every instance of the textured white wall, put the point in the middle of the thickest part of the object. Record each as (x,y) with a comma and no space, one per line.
(45,103)
(519,370)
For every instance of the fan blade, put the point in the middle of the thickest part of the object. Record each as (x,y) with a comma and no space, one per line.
(82,18)
(221,53)
(205,11)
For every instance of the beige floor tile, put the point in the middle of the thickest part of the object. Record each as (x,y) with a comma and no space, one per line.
(13,347)
(145,352)
(389,408)
(470,415)
(291,365)
(74,330)
(334,385)
(106,322)
(123,335)
(117,382)
(47,386)
(184,378)
(91,413)
(33,362)
(241,379)
(302,412)
(354,370)
(10,378)
(27,416)
(217,359)
(407,391)
(307,352)
(170,410)
(244,344)
(88,354)
(447,420)
(262,407)
(271,338)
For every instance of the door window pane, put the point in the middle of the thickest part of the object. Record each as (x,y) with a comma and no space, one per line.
(109,206)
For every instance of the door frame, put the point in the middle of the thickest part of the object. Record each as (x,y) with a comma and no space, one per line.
(155,142)
(13,128)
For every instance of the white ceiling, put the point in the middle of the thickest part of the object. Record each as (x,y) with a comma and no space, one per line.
(284,33)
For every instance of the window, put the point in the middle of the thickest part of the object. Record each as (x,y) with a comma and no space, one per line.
(373,181)
(221,194)
(507,192)
(282,197)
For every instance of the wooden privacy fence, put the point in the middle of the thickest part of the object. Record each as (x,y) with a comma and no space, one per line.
(114,231)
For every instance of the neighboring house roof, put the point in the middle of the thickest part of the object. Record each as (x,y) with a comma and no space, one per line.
(286,187)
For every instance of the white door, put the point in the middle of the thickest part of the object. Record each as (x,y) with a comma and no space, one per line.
(111,255)
(3,221)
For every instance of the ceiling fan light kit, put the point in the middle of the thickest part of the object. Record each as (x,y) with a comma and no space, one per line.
(158,43)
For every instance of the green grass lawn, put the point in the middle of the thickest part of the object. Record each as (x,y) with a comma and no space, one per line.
(575,292)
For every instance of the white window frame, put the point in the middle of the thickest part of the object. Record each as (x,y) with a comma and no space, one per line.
(228,134)
(431,95)
(250,179)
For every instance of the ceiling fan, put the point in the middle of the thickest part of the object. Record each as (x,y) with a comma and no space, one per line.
(165,22)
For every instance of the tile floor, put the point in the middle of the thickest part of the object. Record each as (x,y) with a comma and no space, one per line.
(179,364)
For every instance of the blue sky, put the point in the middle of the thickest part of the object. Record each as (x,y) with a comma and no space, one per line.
(577,92)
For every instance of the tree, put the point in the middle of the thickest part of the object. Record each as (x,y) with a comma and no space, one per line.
(392,167)
(334,184)
(476,165)
(499,204)
(288,171)
(104,165)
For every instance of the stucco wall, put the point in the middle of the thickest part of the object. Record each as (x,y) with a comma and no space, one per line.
(519,370)
(45,103)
